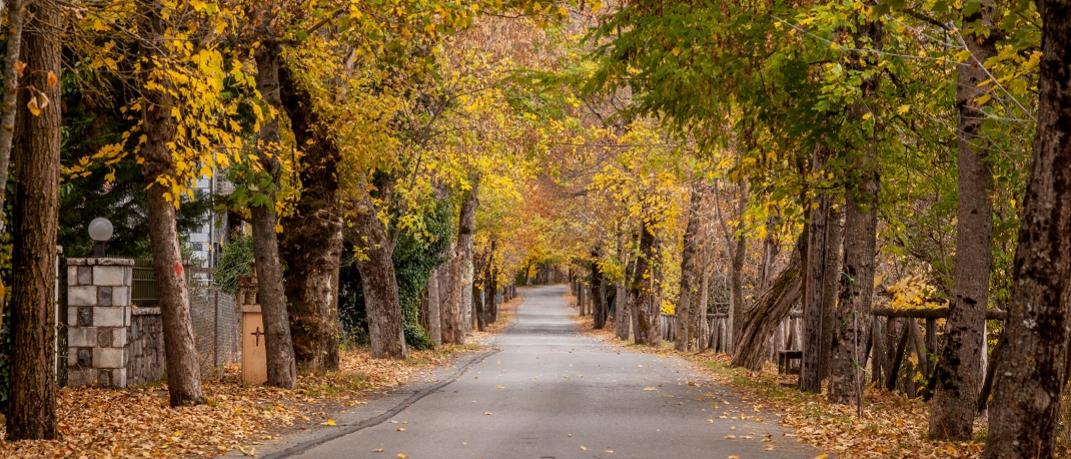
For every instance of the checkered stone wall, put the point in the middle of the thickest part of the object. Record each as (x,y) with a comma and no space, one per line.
(99,319)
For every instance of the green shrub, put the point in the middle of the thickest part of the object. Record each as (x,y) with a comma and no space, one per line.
(235,262)
(414,259)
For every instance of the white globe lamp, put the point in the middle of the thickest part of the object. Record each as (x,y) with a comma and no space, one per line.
(100,231)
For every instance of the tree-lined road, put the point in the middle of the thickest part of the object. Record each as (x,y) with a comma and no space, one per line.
(550,392)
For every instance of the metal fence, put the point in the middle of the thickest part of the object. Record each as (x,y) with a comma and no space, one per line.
(216,320)
(215,315)
(143,291)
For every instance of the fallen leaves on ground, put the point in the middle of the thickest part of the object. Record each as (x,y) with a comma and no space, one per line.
(137,422)
(891,426)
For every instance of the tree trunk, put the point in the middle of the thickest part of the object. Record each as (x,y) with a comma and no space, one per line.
(270,292)
(819,292)
(959,376)
(451,304)
(432,317)
(830,283)
(770,250)
(654,294)
(478,306)
(689,270)
(736,273)
(31,410)
(769,311)
(603,311)
(639,289)
(490,287)
(468,266)
(622,320)
(598,295)
(479,312)
(582,297)
(183,370)
(621,316)
(851,325)
(454,319)
(16,15)
(1025,408)
(386,329)
(272,299)
(701,322)
(386,325)
(489,298)
(312,240)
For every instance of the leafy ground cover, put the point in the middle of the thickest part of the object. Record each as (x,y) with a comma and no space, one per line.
(137,422)
(891,425)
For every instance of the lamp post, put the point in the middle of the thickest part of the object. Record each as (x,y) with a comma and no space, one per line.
(100,231)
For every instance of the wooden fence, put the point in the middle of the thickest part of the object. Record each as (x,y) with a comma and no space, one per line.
(715,332)
(900,339)
(903,325)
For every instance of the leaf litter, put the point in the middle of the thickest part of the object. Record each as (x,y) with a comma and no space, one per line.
(137,422)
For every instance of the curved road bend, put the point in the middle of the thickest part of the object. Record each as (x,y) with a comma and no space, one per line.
(552,392)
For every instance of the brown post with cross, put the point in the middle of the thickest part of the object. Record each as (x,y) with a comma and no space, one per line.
(254,355)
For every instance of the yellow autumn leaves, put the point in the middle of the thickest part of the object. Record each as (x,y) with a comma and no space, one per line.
(38,99)
(209,87)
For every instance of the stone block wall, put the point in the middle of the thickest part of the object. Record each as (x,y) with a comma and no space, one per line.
(145,347)
(113,343)
(98,319)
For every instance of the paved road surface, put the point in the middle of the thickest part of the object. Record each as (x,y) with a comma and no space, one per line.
(551,392)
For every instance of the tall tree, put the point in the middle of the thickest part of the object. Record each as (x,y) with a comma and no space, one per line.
(852,324)
(639,291)
(457,289)
(736,244)
(271,296)
(690,270)
(959,373)
(621,292)
(432,319)
(821,266)
(467,258)
(491,284)
(312,242)
(736,268)
(1025,408)
(386,332)
(32,406)
(598,293)
(478,303)
(160,130)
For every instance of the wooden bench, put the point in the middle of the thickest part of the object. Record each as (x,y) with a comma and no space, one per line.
(788,362)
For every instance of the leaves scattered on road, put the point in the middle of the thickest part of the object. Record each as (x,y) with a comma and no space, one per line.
(137,422)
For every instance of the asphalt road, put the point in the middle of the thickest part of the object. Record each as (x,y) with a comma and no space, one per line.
(551,392)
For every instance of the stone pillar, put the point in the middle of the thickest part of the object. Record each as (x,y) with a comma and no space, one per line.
(98,320)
